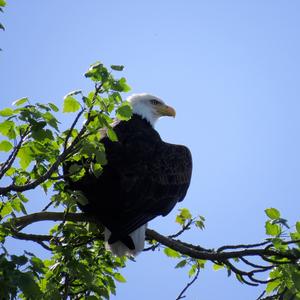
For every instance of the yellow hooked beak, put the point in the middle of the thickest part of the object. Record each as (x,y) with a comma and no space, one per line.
(165,110)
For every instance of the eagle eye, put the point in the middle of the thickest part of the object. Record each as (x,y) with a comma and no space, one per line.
(154,102)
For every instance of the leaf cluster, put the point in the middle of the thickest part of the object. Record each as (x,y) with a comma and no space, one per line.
(284,278)
(36,147)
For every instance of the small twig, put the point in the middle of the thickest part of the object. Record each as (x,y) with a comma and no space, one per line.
(48,205)
(245,246)
(181,295)
(183,229)
(31,237)
(44,246)
(278,262)
(247,262)
(261,295)
(97,90)
(13,154)
(278,296)
(72,127)
(261,281)
(240,273)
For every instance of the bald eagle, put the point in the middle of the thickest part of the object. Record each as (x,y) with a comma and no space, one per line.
(144,177)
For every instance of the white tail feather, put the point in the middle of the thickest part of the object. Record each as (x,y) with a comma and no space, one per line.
(119,249)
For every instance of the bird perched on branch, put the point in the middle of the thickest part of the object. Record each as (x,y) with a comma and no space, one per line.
(144,177)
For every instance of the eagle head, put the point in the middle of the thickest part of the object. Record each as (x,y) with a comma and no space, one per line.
(150,107)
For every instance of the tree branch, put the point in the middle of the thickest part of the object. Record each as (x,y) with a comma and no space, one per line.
(10,160)
(190,250)
(226,255)
(66,151)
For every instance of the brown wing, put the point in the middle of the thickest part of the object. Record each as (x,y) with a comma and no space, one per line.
(144,178)
(156,186)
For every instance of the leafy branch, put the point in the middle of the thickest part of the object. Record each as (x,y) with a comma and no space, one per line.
(80,266)
(229,256)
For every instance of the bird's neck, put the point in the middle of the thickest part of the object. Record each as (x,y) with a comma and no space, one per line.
(144,119)
(145,114)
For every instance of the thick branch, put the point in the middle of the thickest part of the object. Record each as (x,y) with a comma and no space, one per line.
(225,255)
(190,250)
(193,252)
(52,216)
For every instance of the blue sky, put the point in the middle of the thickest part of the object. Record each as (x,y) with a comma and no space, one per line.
(231,70)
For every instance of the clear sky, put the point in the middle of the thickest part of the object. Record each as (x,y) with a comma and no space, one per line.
(231,70)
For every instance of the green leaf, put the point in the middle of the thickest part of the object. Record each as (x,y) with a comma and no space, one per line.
(125,87)
(97,72)
(2,3)
(296,279)
(120,85)
(183,216)
(100,157)
(5,146)
(179,220)
(6,112)
(116,97)
(16,204)
(42,135)
(10,171)
(97,169)
(96,65)
(181,264)
(298,226)
(295,235)
(71,105)
(7,128)
(272,285)
(112,135)
(20,101)
(28,286)
(22,197)
(73,93)
(53,107)
(25,156)
(272,213)
(19,260)
(37,264)
(88,101)
(217,267)
(117,68)
(124,111)
(272,229)
(200,223)
(51,120)
(119,277)
(185,213)
(171,253)
(192,270)
(6,209)
(278,244)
